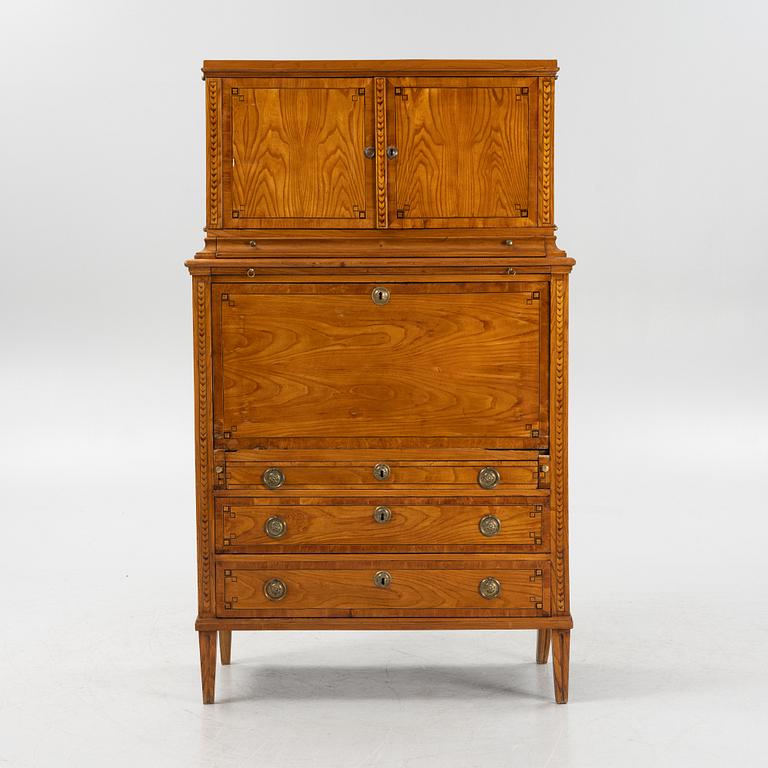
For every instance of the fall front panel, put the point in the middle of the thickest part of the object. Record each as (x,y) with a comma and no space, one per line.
(451,360)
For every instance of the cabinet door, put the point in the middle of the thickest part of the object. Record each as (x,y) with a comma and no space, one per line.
(296,153)
(466,152)
(437,361)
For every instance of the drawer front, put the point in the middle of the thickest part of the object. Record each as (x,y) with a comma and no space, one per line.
(397,360)
(247,525)
(382,587)
(289,473)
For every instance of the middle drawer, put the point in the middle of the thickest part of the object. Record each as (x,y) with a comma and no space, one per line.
(246,525)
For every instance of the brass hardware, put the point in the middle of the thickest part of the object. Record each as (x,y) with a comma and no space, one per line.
(382,514)
(219,470)
(508,243)
(251,272)
(275,527)
(275,589)
(488,478)
(380,295)
(382,579)
(511,271)
(489,588)
(381,471)
(370,152)
(489,525)
(273,478)
(252,243)
(544,467)
(392,152)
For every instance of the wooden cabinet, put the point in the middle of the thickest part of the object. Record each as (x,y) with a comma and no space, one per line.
(380,330)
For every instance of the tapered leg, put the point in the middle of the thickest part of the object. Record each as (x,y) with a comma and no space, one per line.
(561,648)
(208,664)
(225,645)
(543,640)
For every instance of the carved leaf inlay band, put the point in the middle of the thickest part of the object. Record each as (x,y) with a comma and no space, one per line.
(213,153)
(560,435)
(381,160)
(203,415)
(545,181)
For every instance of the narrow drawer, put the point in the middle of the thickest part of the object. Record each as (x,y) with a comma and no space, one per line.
(292,472)
(376,524)
(387,586)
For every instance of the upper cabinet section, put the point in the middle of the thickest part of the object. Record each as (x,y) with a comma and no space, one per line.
(379,145)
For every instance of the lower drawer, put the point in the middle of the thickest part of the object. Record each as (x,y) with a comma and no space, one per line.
(387,586)
(381,524)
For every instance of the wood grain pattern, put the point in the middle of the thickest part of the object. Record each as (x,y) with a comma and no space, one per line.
(437,360)
(225,646)
(446,477)
(424,525)
(395,623)
(348,588)
(464,146)
(543,641)
(297,153)
(204,445)
(207,641)
(561,651)
(330,68)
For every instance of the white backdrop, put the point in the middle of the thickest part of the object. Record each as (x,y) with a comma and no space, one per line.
(660,195)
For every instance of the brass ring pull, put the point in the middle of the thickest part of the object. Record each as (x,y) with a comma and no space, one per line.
(275,589)
(489,588)
(275,527)
(488,478)
(489,525)
(273,478)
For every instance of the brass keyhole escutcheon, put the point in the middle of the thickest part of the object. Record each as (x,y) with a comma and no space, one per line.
(489,588)
(382,579)
(275,527)
(275,589)
(490,525)
(382,514)
(273,478)
(380,295)
(488,478)
(381,471)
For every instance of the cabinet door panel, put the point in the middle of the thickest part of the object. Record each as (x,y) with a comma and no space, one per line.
(466,152)
(296,153)
(452,360)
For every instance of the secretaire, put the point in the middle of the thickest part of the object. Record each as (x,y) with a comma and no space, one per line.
(381,366)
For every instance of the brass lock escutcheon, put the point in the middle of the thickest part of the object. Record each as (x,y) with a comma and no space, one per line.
(489,588)
(382,514)
(275,589)
(380,295)
(370,152)
(382,579)
(488,478)
(489,525)
(273,478)
(381,471)
(275,527)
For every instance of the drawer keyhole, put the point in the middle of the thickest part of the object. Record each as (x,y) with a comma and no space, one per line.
(381,471)
(382,579)
(382,514)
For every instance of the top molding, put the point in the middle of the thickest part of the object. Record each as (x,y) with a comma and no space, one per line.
(241,68)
